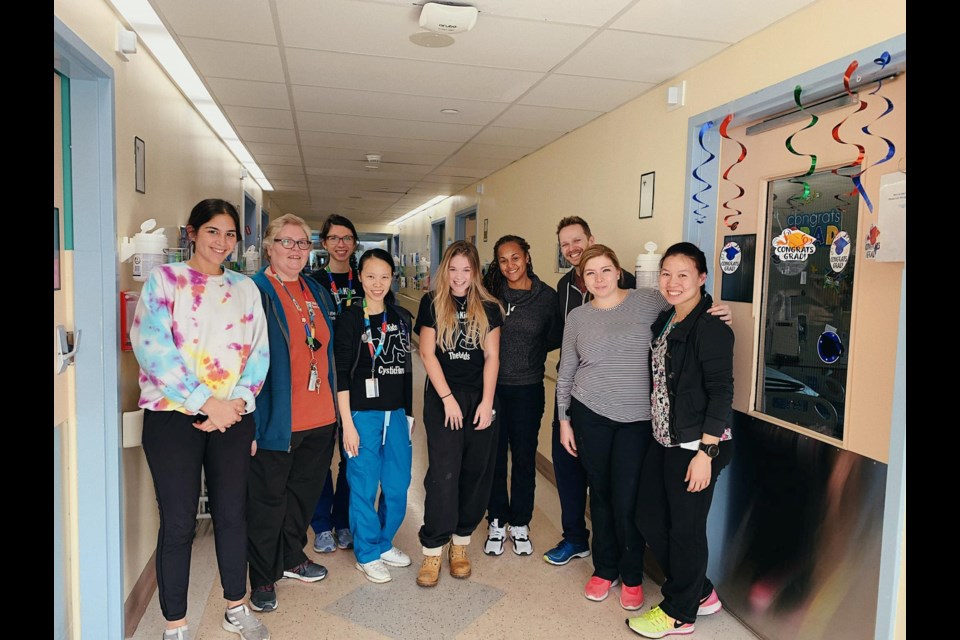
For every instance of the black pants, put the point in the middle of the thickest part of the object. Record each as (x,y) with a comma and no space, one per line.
(333,507)
(281,495)
(522,407)
(176,452)
(674,522)
(571,487)
(612,453)
(460,468)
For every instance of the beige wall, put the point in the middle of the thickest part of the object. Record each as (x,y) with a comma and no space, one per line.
(873,330)
(185,162)
(595,170)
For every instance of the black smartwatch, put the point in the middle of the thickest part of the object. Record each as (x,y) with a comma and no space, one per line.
(712,450)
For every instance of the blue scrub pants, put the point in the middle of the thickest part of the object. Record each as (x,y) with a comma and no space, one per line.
(382,463)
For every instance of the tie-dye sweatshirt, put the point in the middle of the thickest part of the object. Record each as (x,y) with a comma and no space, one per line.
(197,336)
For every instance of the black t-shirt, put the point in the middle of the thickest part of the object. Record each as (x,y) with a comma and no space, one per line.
(352,354)
(344,290)
(463,366)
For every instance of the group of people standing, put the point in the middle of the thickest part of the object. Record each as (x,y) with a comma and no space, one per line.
(253,381)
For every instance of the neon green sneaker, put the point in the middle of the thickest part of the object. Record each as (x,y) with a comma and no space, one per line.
(657,624)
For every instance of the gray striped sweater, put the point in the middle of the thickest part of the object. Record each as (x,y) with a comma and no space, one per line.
(604,360)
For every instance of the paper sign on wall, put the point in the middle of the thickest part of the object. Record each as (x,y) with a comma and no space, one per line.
(840,251)
(892,218)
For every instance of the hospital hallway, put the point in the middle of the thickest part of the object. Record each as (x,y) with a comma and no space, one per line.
(506,596)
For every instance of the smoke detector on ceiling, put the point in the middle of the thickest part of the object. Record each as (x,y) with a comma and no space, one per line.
(448,18)
(373,161)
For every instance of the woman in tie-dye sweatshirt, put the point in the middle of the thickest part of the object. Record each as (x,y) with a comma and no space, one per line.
(200,337)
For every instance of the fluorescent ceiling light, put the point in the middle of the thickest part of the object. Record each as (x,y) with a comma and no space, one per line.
(150,29)
(424,206)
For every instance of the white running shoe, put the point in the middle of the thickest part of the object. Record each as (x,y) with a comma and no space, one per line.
(375,571)
(495,537)
(395,558)
(520,537)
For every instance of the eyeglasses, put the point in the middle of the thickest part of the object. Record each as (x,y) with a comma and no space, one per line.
(287,243)
(337,239)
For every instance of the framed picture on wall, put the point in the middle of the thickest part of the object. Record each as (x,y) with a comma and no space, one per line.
(646,194)
(140,162)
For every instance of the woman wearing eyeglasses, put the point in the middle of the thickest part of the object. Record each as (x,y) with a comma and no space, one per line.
(331,518)
(200,338)
(296,415)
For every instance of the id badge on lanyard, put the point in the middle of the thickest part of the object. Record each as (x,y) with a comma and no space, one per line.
(373,387)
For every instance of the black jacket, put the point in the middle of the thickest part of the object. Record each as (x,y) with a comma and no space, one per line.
(699,370)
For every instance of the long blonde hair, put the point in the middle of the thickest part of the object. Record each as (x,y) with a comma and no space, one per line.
(476,325)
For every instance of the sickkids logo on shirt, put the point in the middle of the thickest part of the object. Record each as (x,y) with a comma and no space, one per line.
(794,245)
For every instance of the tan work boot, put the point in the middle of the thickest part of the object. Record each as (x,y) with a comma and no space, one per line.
(459,562)
(429,574)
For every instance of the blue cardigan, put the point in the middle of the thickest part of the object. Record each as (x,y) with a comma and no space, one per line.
(273,415)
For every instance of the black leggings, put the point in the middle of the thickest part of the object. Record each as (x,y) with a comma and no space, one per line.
(176,452)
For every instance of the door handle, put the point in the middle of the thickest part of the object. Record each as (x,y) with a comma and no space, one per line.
(67,347)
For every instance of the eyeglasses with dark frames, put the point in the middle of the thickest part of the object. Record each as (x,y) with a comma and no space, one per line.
(337,239)
(287,243)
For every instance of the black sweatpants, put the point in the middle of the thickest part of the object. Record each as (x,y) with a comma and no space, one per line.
(460,472)
(284,488)
(176,452)
(612,453)
(674,523)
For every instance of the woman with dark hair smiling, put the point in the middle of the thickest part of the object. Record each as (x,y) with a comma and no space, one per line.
(531,328)
(692,402)
(375,395)
(200,338)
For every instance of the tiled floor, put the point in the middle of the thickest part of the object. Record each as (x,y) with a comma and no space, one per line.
(507,596)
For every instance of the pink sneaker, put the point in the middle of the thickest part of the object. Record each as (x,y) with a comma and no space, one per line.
(597,588)
(631,598)
(710,604)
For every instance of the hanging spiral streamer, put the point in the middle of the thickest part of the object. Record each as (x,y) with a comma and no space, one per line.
(813,158)
(697,211)
(743,154)
(883,61)
(861,150)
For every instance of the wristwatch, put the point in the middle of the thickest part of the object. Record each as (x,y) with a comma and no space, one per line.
(712,450)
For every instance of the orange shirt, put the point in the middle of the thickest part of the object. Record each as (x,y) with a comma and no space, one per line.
(310,409)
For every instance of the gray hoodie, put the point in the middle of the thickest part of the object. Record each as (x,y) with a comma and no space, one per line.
(532,327)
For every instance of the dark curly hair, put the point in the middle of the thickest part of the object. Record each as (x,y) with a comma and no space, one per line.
(493,280)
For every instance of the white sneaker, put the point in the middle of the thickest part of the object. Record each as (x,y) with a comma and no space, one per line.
(240,621)
(395,558)
(520,537)
(375,571)
(495,537)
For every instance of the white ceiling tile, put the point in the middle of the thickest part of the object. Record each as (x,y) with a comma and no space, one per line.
(383,30)
(594,12)
(393,105)
(496,151)
(266,148)
(640,57)
(451,180)
(462,172)
(578,92)
(282,171)
(246,21)
(360,152)
(469,161)
(256,117)
(706,19)
(376,144)
(245,93)
(510,136)
(220,59)
(548,118)
(262,134)
(384,127)
(263,159)
(392,75)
